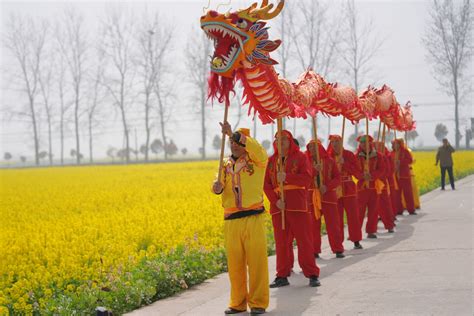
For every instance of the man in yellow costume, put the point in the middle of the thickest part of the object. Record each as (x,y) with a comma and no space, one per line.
(241,187)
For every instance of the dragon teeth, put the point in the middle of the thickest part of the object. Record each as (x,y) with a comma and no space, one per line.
(223,30)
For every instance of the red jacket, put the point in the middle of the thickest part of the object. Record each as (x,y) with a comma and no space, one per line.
(405,158)
(297,180)
(376,167)
(330,174)
(388,168)
(349,168)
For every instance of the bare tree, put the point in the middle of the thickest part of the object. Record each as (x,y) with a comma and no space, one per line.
(46,82)
(315,45)
(74,48)
(448,41)
(316,38)
(284,32)
(96,95)
(153,41)
(360,46)
(63,105)
(26,41)
(119,31)
(198,51)
(164,93)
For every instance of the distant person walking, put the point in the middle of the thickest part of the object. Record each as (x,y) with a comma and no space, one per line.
(445,159)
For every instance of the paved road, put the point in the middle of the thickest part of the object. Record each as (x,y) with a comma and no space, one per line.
(425,268)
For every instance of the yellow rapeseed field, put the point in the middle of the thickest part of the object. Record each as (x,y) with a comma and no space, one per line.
(61,228)
(56,223)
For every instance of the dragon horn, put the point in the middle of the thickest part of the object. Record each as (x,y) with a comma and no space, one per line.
(264,14)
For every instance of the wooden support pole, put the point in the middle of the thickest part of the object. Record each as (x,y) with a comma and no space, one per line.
(221,158)
(280,169)
(315,137)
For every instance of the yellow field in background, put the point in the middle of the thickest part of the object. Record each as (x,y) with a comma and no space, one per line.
(58,223)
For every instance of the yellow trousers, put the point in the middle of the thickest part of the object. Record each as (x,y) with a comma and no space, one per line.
(246,247)
(416,194)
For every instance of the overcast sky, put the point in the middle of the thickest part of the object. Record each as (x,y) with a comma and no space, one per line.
(400,63)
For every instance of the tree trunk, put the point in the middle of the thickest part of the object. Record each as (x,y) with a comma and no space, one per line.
(136,145)
(125,133)
(61,128)
(76,122)
(456,110)
(147,123)
(124,121)
(35,130)
(91,159)
(162,120)
(50,142)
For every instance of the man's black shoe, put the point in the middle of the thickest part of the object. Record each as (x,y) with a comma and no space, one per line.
(314,281)
(231,310)
(442,189)
(316,255)
(371,236)
(413,213)
(257,311)
(357,245)
(279,282)
(340,255)
(391,231)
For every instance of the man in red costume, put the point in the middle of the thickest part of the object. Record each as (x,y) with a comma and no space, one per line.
(296,178)
(348,166)
(402,160)
(323,196)
(369,184)
(385,210)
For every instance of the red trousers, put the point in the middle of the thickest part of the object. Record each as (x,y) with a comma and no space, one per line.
(334,231)
(385,210)
(349,203)
(407,191)
(396,202)
(316,229)
(298,226)
(368,200)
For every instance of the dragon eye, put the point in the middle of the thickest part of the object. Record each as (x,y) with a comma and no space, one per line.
(241,23)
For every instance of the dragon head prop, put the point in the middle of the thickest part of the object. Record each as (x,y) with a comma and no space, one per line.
(240,36)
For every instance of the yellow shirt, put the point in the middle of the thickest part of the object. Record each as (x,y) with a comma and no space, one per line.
(243,179)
